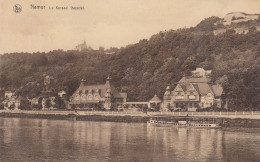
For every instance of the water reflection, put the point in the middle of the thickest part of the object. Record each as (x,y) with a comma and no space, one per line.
(56,140)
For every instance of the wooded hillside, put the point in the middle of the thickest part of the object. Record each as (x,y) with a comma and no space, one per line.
(146,68)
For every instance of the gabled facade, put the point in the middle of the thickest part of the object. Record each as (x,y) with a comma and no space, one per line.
(102,95)
(11,101)
(9,94)
(193,92)
(62,94)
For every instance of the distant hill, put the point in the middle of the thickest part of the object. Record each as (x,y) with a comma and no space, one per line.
(230,50)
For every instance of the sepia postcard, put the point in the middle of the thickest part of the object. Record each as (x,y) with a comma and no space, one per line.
(130,80)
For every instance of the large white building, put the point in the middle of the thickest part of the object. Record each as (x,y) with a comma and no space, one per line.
(102,95)
(193,92)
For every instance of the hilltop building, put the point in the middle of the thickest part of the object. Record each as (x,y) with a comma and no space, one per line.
(62,93)
(193,92)
(81,47)
(235,17)
(102,96)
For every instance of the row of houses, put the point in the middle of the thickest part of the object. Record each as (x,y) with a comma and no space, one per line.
(189,94)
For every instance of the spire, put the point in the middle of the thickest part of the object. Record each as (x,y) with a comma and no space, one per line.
(108,80)
(167,91)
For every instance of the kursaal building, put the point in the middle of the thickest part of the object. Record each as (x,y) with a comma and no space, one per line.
(97,96)
(193,92)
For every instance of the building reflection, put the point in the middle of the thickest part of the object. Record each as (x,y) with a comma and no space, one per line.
(57,140)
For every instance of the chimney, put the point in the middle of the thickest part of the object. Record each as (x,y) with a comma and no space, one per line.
(82,83)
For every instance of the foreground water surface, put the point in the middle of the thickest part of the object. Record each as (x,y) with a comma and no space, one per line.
(60,140)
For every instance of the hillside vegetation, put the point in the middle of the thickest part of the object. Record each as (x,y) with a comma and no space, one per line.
(146,68)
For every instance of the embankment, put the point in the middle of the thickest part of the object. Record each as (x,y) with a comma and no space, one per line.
(224,122)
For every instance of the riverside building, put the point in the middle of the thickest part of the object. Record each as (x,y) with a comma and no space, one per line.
(102,96)
(193,92)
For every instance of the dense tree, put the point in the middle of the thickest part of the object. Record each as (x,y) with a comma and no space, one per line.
(146,68)
(25,104)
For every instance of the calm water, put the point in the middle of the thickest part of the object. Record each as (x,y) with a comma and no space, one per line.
(59,140)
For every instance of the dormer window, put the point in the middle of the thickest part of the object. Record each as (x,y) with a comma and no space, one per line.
(192,96)
(76,97)
(179,96)
(83,97)
(90,97)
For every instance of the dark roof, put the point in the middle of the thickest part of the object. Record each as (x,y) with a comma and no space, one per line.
(124,95)
(155,99)
(194,80)
(201,84)
(217,89)
(115,93)
(102,87)
(204,88)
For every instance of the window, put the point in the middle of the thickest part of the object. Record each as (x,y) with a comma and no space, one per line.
(192,97)
(80,91)
(209,96)
(77,97)
(190,105)
(177,105)
(90,97)
(179,96)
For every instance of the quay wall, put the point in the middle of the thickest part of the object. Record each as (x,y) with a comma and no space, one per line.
(224,120)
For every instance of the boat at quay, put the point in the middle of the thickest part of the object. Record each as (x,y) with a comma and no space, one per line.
(183,123)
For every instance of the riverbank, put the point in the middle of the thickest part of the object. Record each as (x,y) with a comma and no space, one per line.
(129,118)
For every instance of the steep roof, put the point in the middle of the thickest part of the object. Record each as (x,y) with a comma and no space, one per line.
(102,87)
(155,99)
(115,93)
(124,95)
(194,80)
(184,87)
(201,85)
(204,88)
(217,89)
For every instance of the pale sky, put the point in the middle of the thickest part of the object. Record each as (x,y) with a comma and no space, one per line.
(104,23)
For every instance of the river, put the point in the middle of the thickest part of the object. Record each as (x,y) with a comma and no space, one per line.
(60,140)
